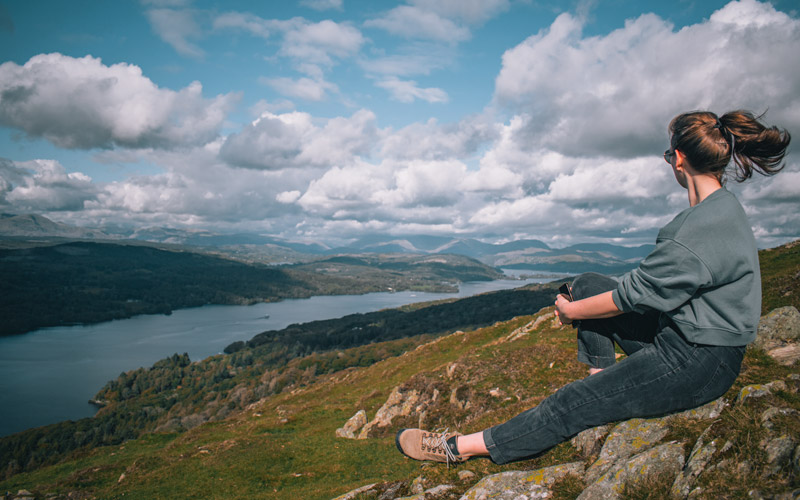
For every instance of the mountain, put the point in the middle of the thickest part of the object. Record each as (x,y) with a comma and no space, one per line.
(31,225)
(238,427)
(532,255)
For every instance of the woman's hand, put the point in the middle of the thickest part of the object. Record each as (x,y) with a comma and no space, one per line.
(563,309)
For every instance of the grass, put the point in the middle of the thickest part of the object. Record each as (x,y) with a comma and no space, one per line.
(285,447)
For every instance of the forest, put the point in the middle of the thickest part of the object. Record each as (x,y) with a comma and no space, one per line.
(89,282)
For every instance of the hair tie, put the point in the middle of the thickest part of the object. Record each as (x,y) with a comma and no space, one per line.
(718,124)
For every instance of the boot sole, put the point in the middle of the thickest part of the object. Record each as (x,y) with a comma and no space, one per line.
(397,441)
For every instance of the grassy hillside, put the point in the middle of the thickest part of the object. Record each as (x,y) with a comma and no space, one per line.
(284,447)
(176,394)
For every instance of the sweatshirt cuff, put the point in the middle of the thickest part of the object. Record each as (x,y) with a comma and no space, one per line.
(617,301)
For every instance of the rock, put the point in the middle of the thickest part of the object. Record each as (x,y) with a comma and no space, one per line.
(773,412)
(626,439)
(465,475)
(796,459)
(778,327)
(759,390)
(786,355)
(521,485)
(525,330)
(390,493)
(459,397)
(353,425)
(24,495)
(708,411)
(699,459)
(779,453)
(590,441)
(398,403)
(418,485)
(666,459)
(354,493)
(438,491)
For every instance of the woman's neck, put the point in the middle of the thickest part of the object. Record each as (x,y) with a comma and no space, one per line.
(700,187)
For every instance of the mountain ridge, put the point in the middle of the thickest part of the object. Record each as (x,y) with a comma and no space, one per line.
(519,254)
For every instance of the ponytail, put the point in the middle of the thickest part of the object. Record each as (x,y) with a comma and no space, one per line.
(709,143)
(755,146)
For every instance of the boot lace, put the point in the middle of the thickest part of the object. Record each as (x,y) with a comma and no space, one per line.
(436,442)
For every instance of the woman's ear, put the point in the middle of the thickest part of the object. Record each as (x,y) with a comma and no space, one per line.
(679,159)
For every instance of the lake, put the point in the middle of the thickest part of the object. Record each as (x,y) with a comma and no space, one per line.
(48,375)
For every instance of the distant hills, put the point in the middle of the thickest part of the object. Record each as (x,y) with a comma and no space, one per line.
(86,282)
(533,255)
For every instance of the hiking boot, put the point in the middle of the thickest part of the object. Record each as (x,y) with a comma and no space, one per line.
(423,445)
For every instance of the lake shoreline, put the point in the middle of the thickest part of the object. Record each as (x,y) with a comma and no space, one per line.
(49,375)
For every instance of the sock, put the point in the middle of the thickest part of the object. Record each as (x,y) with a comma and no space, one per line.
(451,443)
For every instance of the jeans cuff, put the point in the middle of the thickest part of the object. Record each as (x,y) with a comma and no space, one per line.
(495,454)
(596,361)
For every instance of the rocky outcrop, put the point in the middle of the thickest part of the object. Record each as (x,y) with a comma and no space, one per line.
(353,425)
(400,403)
(522,485)
(779,335)
(637,452)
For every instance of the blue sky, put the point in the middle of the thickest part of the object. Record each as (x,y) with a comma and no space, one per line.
(331,119)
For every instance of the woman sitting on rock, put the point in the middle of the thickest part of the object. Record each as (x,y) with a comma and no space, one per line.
(683,317)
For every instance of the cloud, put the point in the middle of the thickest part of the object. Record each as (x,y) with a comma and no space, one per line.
(43,185)
(435,141)
(292,140)
(614,94)
(413,22)
(250,23)
(177,28)
(417,58)
(80,103)
(321,42)
(310,89)
(470,11)
(288,196)
(408,91)
(322,4)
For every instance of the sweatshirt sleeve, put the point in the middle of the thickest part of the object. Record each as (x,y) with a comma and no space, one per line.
(664,280)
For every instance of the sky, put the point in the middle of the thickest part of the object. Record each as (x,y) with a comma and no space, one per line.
(329,120)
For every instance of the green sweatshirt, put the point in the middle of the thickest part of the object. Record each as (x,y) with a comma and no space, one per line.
(703,274)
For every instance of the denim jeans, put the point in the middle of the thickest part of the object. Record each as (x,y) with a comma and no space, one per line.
(662,373)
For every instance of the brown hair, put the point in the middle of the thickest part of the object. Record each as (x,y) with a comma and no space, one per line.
(709,142)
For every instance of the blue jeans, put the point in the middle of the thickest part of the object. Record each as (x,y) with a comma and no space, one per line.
(662,373)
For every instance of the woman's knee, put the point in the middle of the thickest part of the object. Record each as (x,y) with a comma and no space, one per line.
(590,284)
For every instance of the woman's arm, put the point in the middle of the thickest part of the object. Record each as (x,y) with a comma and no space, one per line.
(598,306)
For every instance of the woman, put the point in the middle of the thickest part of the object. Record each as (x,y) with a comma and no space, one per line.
(683,317)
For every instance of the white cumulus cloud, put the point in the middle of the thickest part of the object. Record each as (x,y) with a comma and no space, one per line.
(43,185)
(293,140)
(614,94)
(81,103)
